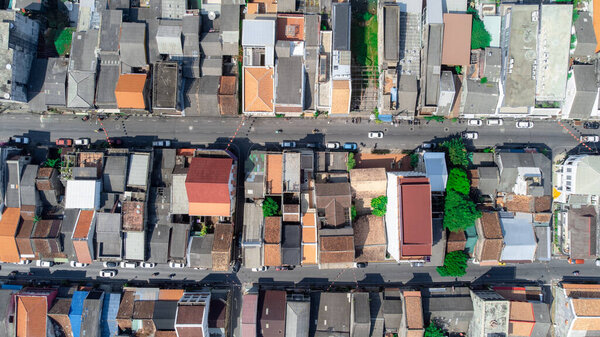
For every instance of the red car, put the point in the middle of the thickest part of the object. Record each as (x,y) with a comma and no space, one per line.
(115,141)
(65,142)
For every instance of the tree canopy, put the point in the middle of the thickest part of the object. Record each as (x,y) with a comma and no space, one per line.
(270,207)
(455,264)
(351,161)
(460,212)
(480,37)
(457,153)
(379,205)
(458,181)
(433,331)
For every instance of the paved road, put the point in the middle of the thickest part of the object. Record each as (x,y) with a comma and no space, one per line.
(141,130)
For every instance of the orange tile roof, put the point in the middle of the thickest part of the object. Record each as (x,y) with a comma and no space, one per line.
(521,318)
(8,231)
(309,234)
(586,323)
(170,294)
(258,89)
(263,6)
(587,306)
(309,254)
(82,228)
(130,91)
(290,27)
(391,162)
(227,85)
(341,92)
(274,173)
(272,255)
(414,309)
(456,48)
(31,316)
(272,229)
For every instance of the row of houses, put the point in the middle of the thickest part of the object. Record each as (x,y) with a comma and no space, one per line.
(326,219)
(119,205)
(458,311)
(159,56)
(85,311)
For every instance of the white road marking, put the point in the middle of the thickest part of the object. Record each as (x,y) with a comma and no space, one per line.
(191,127)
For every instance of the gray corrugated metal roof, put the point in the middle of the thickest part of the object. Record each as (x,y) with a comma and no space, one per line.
(211,44)
(135,243)
(132,44)
(29,193)
(297,319)
(492,64)
(312,24)
(108,222)
(391,30)
(212,66)
(253,223)
(56,81)
(115,169)
(108,75)
(200,251)
(230,17)
(290,80)
(586,91)
(68,225)
(361,322)
(376,311)
(586,38)
(341,26)
(407,93)
(165,85)
(138,169)
(179,199)
(258,32)
(509,162)
(164,315)
(434,63)
(92,309)
(81,89)
(488,180)
(334,312)
(291,244)
(200,96)
(543,252)
(83,51)
(36,97)
(110,30)
(179,239)
(481,98)
(159,244)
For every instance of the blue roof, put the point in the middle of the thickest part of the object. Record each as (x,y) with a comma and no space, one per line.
(109,315)
(12,287)
(385,118)
(76,311)
(435,168)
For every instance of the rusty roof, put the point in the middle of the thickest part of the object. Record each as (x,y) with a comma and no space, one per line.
(369,230)
(84,222)
(290,27)
(126,306)
(227,85)
(258,89)
(340,96)
(587,307)
(491,250)
(170,294)
(273,229)
(417,229)
(223,237)
(143,309)
(490,223)
(190,314)
(414,309)
(272,254)
(335,249)
(133,216)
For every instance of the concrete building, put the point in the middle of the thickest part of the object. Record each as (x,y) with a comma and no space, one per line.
(490,314)
(446,95)
(578,176)
(581,100)
(479,99)
(82,69)
(576,309)
(18,49)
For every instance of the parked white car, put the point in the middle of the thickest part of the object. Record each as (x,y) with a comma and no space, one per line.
(475,122)
(333,145)
(376,134)
(130,265)
(263,268)
(76,264)
(108,273)
(589,139)
(23,262)
(470,135)
(82,142)
(495,121)
(176,264)
(46,264)
(524,125)
(147,265)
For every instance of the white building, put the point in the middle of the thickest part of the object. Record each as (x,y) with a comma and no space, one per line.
(578,175)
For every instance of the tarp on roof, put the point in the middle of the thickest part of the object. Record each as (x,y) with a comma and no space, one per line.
(110,309)
(76,311)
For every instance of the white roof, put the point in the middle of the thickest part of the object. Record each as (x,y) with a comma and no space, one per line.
(519,239)
(436,171)
(258,33)
(179,199)
(493,24)
(134,245)
(410,6)
(83,194)
(434,12)
(138,169)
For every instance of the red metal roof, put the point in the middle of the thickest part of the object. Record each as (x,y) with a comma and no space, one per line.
(207,181)
(416,232)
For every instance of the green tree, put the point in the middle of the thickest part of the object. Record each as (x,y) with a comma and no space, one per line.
(457,153)
(458,181)
(433,331)
(353,212)
(379,205)
(455,264)
(204,230)
(36,219)
(414,160)
(351,161)
(460,212)
(480,38)
(270,207)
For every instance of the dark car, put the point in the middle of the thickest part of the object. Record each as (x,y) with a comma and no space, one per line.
(361,265)
(115,141)
(284,268)
(591,125)
(236,266)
